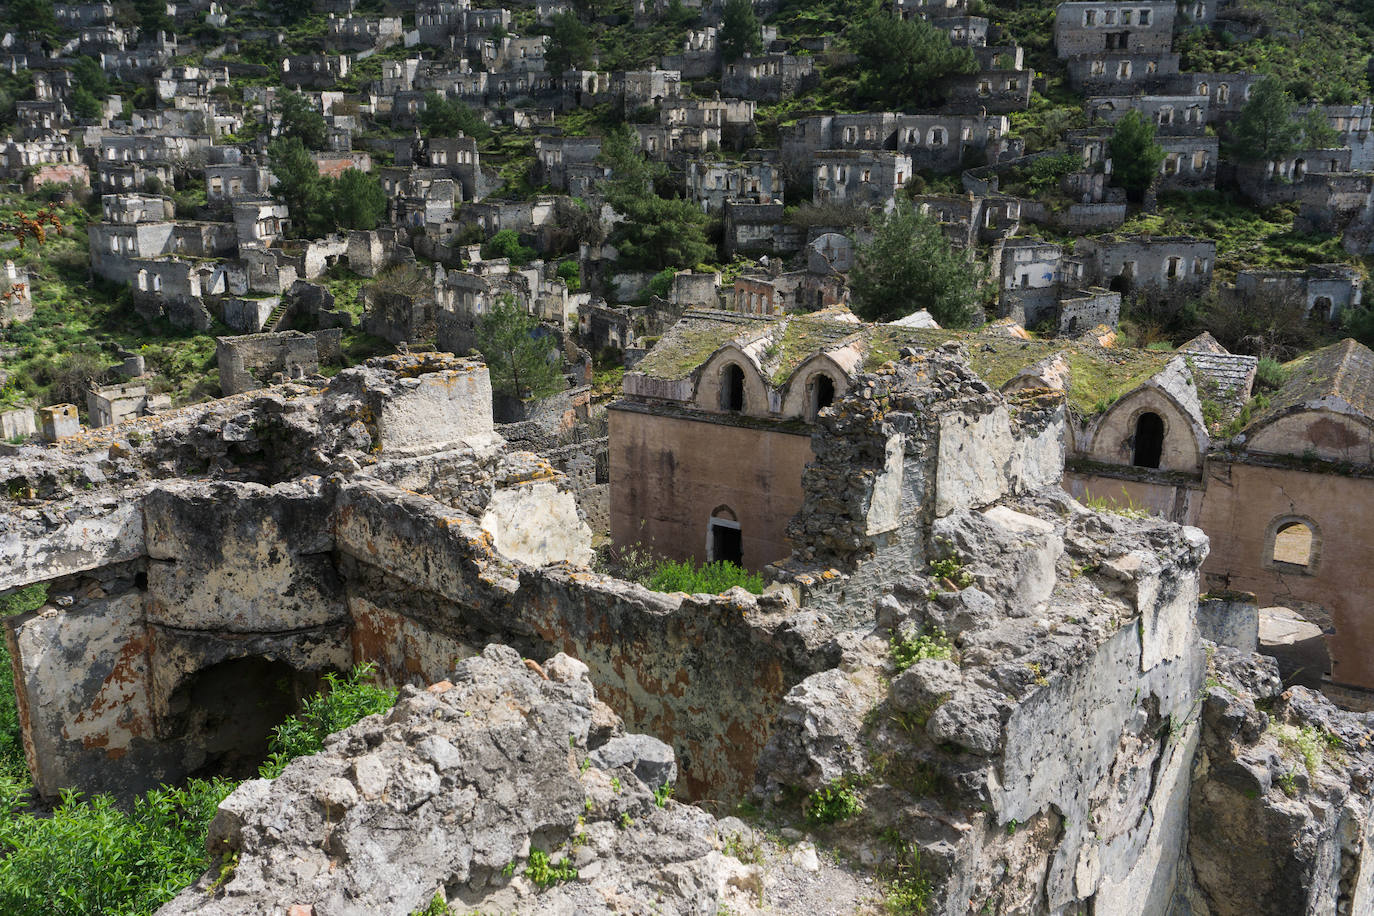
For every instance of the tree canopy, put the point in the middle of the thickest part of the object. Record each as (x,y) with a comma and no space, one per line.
(903,61)
(320,205)
(443,117)
(569,46)
(522,363)
(1136,156)
(657,232)
(739,30)
(909,265)
(300,120)
(1269,127)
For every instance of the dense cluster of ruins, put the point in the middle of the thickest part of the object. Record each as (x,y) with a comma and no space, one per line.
(1077,745)
(1020,579)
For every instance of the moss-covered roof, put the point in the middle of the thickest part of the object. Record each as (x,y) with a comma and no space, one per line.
(1343,370)
(1100,375)
(698,334)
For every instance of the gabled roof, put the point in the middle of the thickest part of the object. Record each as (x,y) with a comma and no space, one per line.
(1339,377)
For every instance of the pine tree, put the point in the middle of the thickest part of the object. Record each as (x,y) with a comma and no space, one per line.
(1136,156)
(739,30)
(569,46)
(517,358)
(909,265)
(903,61)
(1268,129)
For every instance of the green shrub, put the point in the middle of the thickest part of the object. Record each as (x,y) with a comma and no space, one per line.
(709,578)
(662,283)
(1270,374)
(908,650)
(506,244)
(570,272)
(346,701)
(832,803)
(545,873)
(90,857)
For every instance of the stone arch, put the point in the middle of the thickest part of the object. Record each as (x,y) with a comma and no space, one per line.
(1114,438)
(724,537)
(1292,544)
(223,715)
(740,389)
(799,393)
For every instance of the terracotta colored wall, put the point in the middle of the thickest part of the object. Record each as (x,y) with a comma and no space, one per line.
(1241,504)
(672,472)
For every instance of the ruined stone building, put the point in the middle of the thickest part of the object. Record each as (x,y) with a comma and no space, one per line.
(242,548)
(712,432)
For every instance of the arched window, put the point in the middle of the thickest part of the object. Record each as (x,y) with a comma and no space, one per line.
(724,538)
(1294,543)
(1321,309)
(822,393)
(732,389)
(1149,440)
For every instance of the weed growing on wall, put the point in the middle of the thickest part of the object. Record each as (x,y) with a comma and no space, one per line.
(708,578)
(832,803)
(344,702)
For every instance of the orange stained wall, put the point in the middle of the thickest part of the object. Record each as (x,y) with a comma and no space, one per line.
(1241,504)
(671,472)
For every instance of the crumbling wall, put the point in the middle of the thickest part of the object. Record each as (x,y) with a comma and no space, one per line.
(1281,806)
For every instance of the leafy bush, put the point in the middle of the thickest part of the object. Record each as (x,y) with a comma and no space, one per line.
(506,244)
(1270,374)
(545,873)
(90,857)
(346,701)
(709,578)
(570,272)
(908,650)
(832,803)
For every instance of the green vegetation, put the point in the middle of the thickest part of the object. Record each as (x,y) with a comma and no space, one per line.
(443,117)
(658,232)
(908,650)
(739,30)
(320,205)
(523,363)
(910,265)
(1126,506)
(832,803)
(569,46)
(301,121)
(1310,743)
(1136,156)
(506,244)
(545,873)
(91,857)
(902,61)
(708,578)
(1270,129)
(344,701)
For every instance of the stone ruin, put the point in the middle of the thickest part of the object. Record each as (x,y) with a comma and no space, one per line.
(1063,742)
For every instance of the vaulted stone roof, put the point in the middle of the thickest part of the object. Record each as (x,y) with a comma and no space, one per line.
(1339,377)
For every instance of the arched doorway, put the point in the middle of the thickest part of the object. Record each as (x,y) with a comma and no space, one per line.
(223,715)
(724,537)
(1148,440)
(732,389)
(822,393)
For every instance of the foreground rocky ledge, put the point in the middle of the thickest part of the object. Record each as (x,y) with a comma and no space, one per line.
(507,788)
